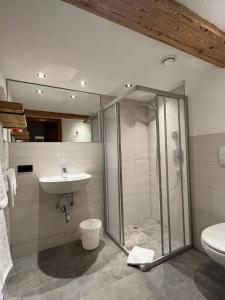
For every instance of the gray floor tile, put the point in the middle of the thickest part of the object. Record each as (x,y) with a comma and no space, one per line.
(70,272)
(96,278)
(53,291)
(209,279)
(131,287)
(83,261)
(24,263)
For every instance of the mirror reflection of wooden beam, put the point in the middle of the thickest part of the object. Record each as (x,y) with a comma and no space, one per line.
(11,107)
(53,115)
(12,115)
(164,20)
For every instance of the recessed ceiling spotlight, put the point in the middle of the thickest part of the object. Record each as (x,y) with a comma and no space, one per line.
(83,82)
(39,92)
(169,60)
(41,75)
(129,85)
(73,96)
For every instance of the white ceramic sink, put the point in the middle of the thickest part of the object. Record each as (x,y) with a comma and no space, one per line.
(60,185)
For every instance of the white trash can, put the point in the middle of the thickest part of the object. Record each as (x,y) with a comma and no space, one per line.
(91,231)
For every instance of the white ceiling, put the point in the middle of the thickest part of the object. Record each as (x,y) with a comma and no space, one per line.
(69,44)
(211,10)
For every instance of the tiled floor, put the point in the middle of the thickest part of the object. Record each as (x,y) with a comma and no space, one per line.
(69,272)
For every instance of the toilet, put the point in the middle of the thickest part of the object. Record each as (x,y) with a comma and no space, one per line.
(213,242)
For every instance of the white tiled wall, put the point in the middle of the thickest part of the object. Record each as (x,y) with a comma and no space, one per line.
(35,223)
(207,183)
(135,163)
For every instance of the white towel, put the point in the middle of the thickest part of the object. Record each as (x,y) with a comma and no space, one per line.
(140,256)
(6,182)
(3,195)
(5,256)
(12,186)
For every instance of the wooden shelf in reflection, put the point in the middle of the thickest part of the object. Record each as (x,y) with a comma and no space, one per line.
(13,120)
(23,135)
(12,115)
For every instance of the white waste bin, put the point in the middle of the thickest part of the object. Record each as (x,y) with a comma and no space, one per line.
(91,231)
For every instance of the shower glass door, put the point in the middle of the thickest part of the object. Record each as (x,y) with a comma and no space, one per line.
(149,205)
(112,172)
(173,164)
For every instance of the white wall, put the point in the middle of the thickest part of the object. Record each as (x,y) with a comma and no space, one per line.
(2,87)
(206,94)
(3,146)
(70,127)
(4,151)
(35,222)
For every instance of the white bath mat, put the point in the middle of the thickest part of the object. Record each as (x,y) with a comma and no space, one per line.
(140,256)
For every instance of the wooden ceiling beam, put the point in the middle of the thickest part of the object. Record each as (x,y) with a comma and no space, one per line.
(53,115)
(164,20)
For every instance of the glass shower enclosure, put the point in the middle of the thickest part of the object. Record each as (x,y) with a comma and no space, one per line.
(145,135)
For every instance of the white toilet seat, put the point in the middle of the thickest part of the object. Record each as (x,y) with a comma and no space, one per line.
(213,242)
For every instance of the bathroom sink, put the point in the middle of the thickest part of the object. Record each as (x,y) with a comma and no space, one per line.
(60,185)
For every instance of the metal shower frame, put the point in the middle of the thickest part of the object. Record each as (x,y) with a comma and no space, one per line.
(121,241)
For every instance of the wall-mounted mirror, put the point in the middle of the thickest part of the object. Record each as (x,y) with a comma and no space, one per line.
(55,114)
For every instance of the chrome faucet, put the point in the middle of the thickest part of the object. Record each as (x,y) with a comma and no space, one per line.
(64,172)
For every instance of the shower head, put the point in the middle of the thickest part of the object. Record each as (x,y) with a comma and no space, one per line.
(146,104)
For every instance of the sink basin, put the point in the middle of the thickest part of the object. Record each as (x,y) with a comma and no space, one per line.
(60,185)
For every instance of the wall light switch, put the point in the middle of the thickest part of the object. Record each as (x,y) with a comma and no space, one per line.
(222,156)
(24,168)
